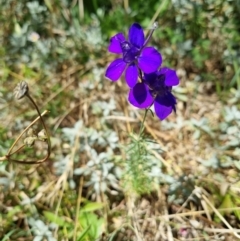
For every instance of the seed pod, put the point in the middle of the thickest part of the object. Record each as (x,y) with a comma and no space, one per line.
(21,90)
(29,141)
(42,135)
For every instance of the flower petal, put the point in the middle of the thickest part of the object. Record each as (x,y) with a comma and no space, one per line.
(140,96)
(149,60)
(164,105)
(115,43)
(131,75)
(162,111)
(171,77)
(136,35)
(115,69)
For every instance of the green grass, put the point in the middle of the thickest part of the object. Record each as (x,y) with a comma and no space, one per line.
(99,183)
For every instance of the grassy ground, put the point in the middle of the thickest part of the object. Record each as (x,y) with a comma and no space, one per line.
(92,186)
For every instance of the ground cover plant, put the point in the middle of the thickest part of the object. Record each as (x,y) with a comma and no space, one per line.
(119,120)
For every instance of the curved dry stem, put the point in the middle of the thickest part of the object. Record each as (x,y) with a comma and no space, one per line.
(10,153)
(44,126)
(33,122)
(20,148)
(3,158)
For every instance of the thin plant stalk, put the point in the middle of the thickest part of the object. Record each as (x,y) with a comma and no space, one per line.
(20,91)
(15,142)
(42,121)
(142,123)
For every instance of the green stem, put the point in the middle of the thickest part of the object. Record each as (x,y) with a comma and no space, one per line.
(142,123)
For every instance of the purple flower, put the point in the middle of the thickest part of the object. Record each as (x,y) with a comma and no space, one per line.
(135,55)
(156,89)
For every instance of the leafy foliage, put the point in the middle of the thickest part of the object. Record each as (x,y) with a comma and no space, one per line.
(87,189)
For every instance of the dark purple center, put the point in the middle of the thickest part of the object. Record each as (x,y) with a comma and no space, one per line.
(158,87)
(130,53)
